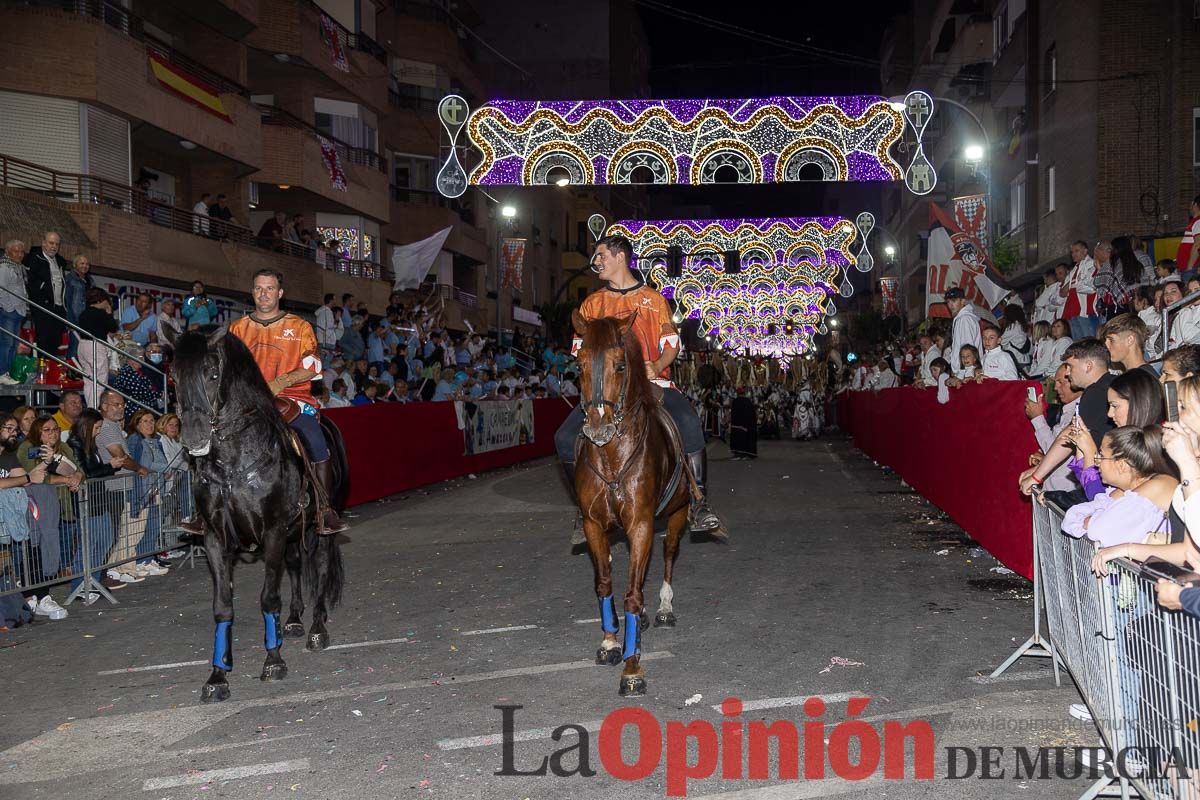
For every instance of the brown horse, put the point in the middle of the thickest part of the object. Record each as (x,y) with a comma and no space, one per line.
(628,456)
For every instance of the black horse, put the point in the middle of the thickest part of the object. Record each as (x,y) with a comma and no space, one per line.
(254,495)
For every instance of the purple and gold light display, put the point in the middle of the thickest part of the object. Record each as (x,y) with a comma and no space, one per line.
(756,140)
(777,300)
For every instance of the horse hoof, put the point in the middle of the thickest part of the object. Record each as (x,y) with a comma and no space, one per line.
(214,692)
(666,619)
(294,630)
(632,686)
(274,672)
(317,641)
(609,657)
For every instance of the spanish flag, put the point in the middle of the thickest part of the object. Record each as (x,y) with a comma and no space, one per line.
(188,87)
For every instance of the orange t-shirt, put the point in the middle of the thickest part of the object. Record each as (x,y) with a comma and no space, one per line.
(652,324)
(285,344)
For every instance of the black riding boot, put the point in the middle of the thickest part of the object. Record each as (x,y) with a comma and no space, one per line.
(332,522)
(577,534)
(701,518)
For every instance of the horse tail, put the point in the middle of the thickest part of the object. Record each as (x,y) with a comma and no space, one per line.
(322,567)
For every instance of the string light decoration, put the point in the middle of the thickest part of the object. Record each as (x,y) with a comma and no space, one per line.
(347,239)
(776,302)
(764,140)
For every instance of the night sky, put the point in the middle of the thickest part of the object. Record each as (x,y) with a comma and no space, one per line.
(691,59)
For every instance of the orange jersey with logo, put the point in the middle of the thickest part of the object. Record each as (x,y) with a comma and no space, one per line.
(285,344)
(653,325)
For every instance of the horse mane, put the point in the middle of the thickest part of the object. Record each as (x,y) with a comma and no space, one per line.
(605,333)
(242,383)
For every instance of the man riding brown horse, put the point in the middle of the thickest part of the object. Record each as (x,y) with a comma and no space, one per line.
(627,296)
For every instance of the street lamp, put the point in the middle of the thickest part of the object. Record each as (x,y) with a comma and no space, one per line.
(563,182)
(973,153)
(508,212)
(890,252)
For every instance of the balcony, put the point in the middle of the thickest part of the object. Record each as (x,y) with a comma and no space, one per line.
(232,18)
(138,236)
(292,157)
(418,214)
(426,32)
(110,66)
(294,33)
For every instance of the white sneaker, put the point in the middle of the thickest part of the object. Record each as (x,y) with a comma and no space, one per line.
(9,380)
(125,577)
(150,569)
(174,554)
(31,603)
(1080,711)
(48,608)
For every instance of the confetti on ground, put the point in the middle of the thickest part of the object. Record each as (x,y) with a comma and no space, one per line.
(356,713)
(1002,571)
(105,708)
(942,552)
(691,701)
(838,661)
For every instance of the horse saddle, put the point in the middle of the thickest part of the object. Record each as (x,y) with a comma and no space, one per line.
(287,407)
(677,445)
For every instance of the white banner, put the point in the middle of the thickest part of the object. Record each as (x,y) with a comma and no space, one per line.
(495,424)
(954,261)
(412,262)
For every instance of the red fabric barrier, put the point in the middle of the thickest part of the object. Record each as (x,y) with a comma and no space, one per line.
(395,447)
(963,456)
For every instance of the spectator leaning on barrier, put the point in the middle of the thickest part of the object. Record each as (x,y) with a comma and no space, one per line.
(998,363)
(1140,484)
(1185,322)
(965,329)
(1125,337)
(929,352)
(1087,370)
(968,356)
(1182,362)
(1046,430)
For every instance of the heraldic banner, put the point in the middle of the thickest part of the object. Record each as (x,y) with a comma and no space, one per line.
(512,261)
(958,259)
(495,424)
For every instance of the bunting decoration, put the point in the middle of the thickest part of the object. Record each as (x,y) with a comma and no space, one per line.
(333,163)
(512,260)
(330,36)
(888,291)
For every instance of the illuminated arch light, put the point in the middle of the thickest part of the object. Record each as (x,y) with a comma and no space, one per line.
(852,134)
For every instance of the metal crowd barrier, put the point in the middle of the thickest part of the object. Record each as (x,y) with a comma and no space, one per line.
(76,537)
(1136,664)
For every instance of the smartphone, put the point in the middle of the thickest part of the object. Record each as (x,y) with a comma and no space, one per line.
(1031,393)
(35,453)
(1171,396)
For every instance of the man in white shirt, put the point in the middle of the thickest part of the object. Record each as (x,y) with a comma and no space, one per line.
(1061,479)
(1048,305)
(998,363)
(328,328)
(929,351)
(200,215)
(861,376)
(966,326)
(1079,293)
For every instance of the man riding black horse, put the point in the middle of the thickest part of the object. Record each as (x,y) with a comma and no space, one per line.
(627,295)
(285,349)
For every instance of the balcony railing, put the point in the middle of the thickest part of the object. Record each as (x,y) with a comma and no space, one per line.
(273,115)
(455,293)
(431,197)
(411,101)
(117,18)
(77,188)
(354,41)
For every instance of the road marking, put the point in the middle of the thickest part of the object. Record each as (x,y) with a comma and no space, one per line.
(586,621)
(216,748)
(500,630)
(113,741)
(232,774)
(805,790)
(179,664)
(797,700)
(403,640)
(152,667)
(533,734)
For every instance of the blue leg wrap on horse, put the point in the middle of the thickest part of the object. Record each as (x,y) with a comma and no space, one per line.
(633,634)
(271,638)
(608,614)
(223,646)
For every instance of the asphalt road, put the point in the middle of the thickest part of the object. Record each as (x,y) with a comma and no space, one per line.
(466,596)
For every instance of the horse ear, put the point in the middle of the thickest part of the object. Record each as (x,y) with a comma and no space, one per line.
(216,336)
(626,324)
(171,335)
(578,322)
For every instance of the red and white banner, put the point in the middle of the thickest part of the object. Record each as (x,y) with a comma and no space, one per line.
(956,259)
(333,163)
(330,34)
(971,216)
(888,291)
(512,261)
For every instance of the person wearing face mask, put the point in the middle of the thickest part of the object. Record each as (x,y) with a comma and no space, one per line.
(137,380)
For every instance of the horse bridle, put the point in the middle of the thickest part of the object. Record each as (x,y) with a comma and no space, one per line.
(598,400)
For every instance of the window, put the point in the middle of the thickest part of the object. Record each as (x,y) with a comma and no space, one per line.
(412,176)
(1016,202)
(1196,137)
(1050,188)
(1050,70)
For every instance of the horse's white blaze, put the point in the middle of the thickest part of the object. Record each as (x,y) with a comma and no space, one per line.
(665,596)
